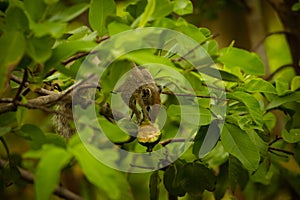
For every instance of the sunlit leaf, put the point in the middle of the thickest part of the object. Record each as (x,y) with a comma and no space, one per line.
(259,85)
(251,103)
(278,101)
(162,8)
(183,7)
(99,11)
(145,57)
(295,85)
(48,170)
(55,29)
(292,136)
(149,10)
(237,143)
(282,87)
(249,62)
(117,27)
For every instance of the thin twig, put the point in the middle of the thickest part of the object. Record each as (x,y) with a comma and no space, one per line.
(6,100)
(278,70)
(22,85)
(192,95)
(268,35)
(193,49)
(29,177)
(75,57)
(280,150)
(276,139)
(168,141)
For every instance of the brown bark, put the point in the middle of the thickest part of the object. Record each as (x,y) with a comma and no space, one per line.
(291,23)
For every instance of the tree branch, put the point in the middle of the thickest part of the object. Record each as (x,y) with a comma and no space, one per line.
(29,177)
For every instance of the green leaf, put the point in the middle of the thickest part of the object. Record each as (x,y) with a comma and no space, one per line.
(50,2)
(145,57)
(149,10)
(99,11)
(172,178)
(70,13)
(117,27)
(39,49)
(270,120)
(55,29)
(35,9)
(111,181)
(206,139)
(278,101)
(293,136)
(183,7)
(35,134)
(237,174)
(188,111)
(251,103)
(222,182)
(6,119)
(162,9)
(12,48)
(113,74)
(282,87)
(259,85)
(114,133)
(4,130)
(67,49)
(296,7)
(295,85)
(196,178)
(217,73)
(48,170)
(16,19)
(237,143)
(154,185)
(135,9)
(264,173)
(249,62)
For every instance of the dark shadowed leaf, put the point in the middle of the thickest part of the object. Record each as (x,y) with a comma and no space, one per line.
(172,179)
(197,178)
(237,174)
(154,185)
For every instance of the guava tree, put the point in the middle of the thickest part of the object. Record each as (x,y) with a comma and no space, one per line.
(63,60)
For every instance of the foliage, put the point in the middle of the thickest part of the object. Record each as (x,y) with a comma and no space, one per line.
(42,46)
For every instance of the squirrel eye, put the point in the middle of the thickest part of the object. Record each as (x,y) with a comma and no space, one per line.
(146,92)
